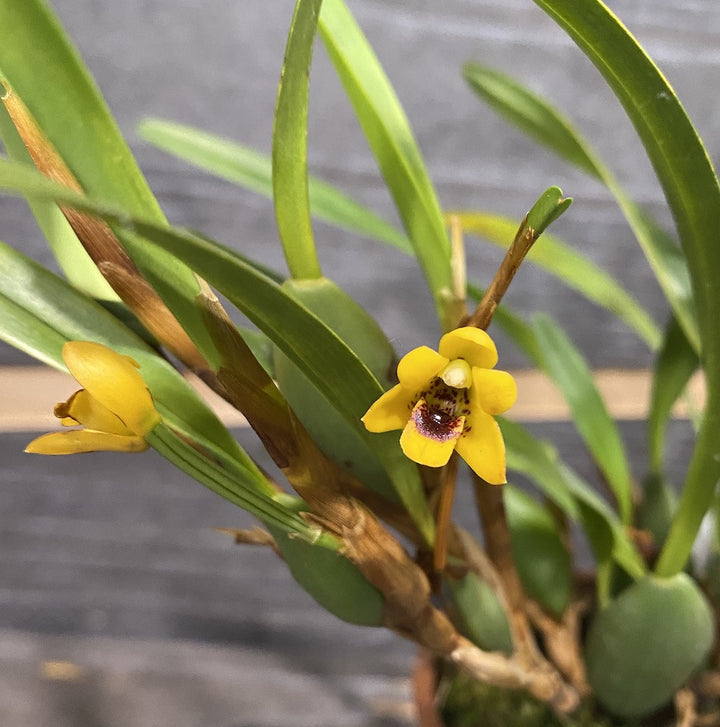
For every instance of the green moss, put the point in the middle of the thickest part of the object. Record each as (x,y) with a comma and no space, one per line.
(469,704)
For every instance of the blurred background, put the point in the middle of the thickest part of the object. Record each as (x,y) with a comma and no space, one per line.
(119,605)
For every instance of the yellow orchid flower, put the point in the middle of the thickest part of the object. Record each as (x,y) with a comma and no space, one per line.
(446,401)
(114,407)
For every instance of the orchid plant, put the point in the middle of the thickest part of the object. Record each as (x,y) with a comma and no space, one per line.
(363,520)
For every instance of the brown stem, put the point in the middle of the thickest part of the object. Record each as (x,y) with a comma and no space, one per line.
(685,708)
(524,240)
(448,481)
(489,498)
(409,610)
(542,681)
(101,243)
(562,641)
(490,505)
(424,686)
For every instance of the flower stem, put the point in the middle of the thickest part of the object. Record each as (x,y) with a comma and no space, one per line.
(491,508)
(524,240)
(448,480)
(489,498)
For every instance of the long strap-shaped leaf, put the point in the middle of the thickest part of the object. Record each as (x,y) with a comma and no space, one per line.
(47,73)
(389,135)
(693,193)
(544,123)
(540,462)
(570,373)
(676,362)
(576,271)
(289,154)
(252,170)
(39,312)
(321,355)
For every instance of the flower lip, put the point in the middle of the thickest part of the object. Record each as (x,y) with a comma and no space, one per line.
(436,423)
(446,400)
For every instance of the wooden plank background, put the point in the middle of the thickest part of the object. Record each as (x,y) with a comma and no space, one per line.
(119,605)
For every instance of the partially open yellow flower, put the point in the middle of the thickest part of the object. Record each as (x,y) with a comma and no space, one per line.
(446,401)
(114,407)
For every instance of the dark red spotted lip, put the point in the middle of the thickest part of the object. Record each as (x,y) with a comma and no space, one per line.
(435,423)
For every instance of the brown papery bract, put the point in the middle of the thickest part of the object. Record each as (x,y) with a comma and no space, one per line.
(101,243)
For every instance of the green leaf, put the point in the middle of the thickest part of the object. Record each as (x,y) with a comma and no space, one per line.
(691,187)
(39,312)
(66,103)
(72,114)
(570,373)
(337,438)
(543,561)
(71,256)
(540,462)
(573,269)
(675,363)
(253,170)
(548,207)
(537,118)
(389,135)
(331,579)
(326,360)
(60,93)
(647,643)
(237,485)
(480,613)
(530,113)
(289,155)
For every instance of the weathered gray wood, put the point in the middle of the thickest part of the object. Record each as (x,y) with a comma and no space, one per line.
(112,564)
(113,681)
(110,561)
(219,70)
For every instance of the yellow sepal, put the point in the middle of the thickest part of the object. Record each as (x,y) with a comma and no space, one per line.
(114,381)
(420,366)
(483,448)
(390,411)
(472,344)
(493,391)
(76,441)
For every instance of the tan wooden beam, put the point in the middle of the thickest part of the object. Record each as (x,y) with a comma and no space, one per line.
(28,393)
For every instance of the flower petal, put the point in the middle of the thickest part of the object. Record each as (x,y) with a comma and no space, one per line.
(81,408)
(114,380)
(85,440)
(483,448)
(493,391)
(425,441)
(471,344)
(419,366)
(390,411)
